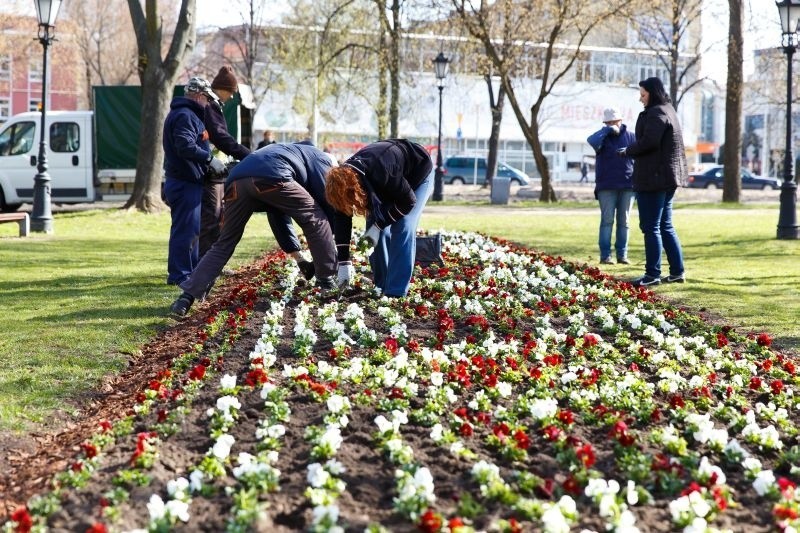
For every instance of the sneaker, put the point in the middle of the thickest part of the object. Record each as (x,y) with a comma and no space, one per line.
(674,278)
(645,281)
(306,268)
(623,261)
(181,306)
(326,286)
(606,261)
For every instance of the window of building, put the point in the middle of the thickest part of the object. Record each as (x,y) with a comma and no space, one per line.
(34,72)
(5,68)
(17,139)
(5,109)
(65,137)
(33,105)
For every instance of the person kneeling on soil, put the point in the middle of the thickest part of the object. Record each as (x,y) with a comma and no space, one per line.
(288,182)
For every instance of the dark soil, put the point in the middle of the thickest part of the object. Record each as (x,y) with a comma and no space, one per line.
(27,464)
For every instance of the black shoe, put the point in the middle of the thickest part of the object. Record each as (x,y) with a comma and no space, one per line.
(606,261)
(326,286)
(674,278)
(306,268)
(645,281)
(181,306)
(623,261)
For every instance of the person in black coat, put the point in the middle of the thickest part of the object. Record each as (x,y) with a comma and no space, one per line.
(659,168)
(388,181)
(222,89)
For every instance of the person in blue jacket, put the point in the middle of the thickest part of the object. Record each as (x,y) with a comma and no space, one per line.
(388,181)
(187,159)
(288,182)
(613,184)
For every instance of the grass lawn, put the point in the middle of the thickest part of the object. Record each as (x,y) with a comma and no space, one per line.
(77,303)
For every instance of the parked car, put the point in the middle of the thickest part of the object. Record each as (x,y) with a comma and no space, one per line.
(462,169)
(713,179)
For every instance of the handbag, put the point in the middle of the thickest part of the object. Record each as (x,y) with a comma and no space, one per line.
(429,249)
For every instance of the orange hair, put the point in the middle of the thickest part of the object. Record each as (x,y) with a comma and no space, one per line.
(344,192)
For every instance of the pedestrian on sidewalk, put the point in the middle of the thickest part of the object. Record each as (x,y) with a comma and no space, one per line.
(613,184)
(389,182)
(584,173)
(288,182)
(659,167)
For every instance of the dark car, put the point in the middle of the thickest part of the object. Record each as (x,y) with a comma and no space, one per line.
(713,179)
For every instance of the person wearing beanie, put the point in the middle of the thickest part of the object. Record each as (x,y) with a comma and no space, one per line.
(224,86)
(613,187)
(659,168)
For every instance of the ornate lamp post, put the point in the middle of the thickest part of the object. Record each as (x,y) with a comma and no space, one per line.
(41,217)
(440,64)
(787,220)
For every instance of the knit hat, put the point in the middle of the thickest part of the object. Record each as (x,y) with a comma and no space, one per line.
(611,115)
(225,80)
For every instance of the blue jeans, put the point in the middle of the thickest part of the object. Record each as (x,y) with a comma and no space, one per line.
(655,221)
(184,199)
(614,204)
(392,261)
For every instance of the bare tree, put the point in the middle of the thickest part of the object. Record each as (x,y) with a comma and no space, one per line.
(733,103)
(671,29)
(391,31)
(496,105)
(524,38)
(158,74)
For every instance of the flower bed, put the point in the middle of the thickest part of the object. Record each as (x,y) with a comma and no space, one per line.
(509,391)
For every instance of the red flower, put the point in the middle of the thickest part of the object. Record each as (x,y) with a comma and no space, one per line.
(105,426)
(89,449)
(776,386)
(455,522)
(566,416)
(391,345)
(764,340)
(465,430)
(755,383)
(430,522)
(97,527)
(586,455)
(722,340)
(514,526)
(522,439)
(23,519)
(571,486)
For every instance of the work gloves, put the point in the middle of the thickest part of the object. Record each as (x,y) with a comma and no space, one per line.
(372,234)
(345,274)
(216,166)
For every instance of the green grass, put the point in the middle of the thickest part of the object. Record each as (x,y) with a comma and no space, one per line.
(77,303)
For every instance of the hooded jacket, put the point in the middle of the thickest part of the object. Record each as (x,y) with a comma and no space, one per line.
(612,172)
(185,141)
(658,152)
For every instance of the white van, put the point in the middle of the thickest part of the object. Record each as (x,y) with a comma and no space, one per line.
(69,157)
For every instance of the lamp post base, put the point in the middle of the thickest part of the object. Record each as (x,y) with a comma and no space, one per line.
(438,186)
(787,220)
(41,215)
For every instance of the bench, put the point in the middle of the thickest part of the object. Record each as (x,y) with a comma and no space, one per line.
(22,219)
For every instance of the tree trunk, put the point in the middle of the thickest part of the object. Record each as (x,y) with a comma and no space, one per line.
(383,91)
(394,71)
(496,105)
(733,105)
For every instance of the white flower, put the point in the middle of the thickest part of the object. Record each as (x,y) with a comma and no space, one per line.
(323,512)
(155,507)
(196,480)
(765,480)
(177,487)
(436,432)
(267,389)
(317,476)
(632,495)
(222,448)
(504,389)
(437,378)
(698,525)
(178,509)
(553,521)
(383,424)
(225,403)
(227,382)
(545,408)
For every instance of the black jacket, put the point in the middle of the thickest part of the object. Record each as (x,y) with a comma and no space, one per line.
(390,170)
(218,134)
(185,141)
(658,152)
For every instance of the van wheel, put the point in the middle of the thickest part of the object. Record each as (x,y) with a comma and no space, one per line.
(457,180)
(7,208)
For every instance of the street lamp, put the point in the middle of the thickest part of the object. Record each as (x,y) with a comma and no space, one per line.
(789,11)
(440,64)
(41,217)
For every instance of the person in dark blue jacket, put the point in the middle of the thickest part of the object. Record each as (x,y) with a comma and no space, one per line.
(389,182)
(288,182)
(613,185)
(187,159)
